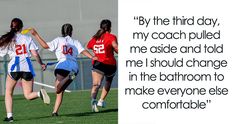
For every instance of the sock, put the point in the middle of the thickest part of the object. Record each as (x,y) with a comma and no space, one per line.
(39,94)
(94,99)
(9,115)
(100,100)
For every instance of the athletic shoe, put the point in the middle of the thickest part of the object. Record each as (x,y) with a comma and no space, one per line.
(101,103)
(72,75)
(54,114)
(8,119)
(94,106)
(44,96)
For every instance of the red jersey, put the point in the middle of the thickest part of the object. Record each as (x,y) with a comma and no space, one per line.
(102,48)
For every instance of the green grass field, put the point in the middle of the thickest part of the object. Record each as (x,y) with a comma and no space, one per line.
(75,109)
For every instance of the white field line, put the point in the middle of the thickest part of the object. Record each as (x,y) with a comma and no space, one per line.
(49,86)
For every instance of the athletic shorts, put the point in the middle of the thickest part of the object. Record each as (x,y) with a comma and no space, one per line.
(28,76)
(107,70)
(62,72)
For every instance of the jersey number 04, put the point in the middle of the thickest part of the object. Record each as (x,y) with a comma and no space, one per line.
(67,50)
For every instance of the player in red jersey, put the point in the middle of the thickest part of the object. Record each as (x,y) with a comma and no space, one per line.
(103,44)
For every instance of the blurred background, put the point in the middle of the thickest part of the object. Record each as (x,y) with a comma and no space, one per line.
(47,16)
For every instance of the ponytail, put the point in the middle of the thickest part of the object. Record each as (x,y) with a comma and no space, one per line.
(7,39)
(99,33)
(105,26)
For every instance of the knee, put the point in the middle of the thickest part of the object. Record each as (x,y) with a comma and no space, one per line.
(8,93)
(96,86)
(27,97)
(59,91)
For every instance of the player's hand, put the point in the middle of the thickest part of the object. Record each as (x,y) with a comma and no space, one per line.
(94,58)
(43,66)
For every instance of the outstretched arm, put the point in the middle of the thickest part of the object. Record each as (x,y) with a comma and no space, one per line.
(86,53)
(39,38)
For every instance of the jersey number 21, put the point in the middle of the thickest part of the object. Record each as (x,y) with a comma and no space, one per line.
(20,49)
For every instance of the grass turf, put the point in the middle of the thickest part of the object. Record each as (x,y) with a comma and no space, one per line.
(75,109)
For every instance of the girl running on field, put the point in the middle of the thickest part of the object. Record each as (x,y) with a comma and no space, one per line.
(67,51)
(20,47)
(103,44)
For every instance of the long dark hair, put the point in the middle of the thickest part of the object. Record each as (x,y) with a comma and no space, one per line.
(8,38)
(105,26)
(66,30)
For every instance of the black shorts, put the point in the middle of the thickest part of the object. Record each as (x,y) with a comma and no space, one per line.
(107,70)
(28,76)
(61,72)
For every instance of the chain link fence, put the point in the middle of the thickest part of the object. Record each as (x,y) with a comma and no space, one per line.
(83,80)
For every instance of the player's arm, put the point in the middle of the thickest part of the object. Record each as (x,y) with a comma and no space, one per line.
(38,58)
(39,38)
(86,53)
(115,46)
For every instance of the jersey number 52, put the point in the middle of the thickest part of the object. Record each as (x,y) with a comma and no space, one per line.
(67,50)
(99,48)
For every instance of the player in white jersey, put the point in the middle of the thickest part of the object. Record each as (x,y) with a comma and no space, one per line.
(66,50)
(19,48)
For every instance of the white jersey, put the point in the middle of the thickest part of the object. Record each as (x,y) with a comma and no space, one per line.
(66,50)
(19,54)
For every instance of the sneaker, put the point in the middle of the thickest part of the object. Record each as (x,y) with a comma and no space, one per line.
(54,114)
(72,75)
(44,96)
(101,103)
(94,106)
(8,119)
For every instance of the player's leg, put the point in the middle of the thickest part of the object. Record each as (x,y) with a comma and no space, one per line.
(97,79)
(27,85)
(65,81)
(62,81)
(59,96)
(109,71)
(28,90)
(10,85)
(106,88)
(63,84)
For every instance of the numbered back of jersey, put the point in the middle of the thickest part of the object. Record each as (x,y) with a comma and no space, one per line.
(67,50)
(99,49)
(21,49)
